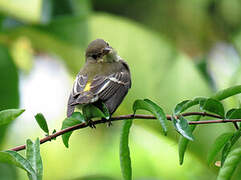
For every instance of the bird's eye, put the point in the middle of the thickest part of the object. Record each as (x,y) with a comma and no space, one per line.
(94,56)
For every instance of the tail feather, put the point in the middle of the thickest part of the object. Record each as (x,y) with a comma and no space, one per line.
(70,110)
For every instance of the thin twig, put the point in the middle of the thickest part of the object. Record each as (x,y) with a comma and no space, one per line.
(132,116)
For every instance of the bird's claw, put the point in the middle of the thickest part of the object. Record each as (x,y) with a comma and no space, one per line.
(91,124)
(109,123)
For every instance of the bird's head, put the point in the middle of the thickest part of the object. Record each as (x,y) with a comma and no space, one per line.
(100,51)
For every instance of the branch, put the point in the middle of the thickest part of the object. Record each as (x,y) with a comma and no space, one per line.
(132,116)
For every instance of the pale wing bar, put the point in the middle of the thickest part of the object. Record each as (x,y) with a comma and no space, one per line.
(105,87)
(79,84)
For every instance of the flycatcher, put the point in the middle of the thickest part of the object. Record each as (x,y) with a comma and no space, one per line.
(104,78)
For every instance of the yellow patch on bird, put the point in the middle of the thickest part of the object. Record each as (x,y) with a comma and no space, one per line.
(87,86)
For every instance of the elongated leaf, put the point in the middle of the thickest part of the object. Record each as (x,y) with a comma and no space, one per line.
(153,108)
(229,112)
(182,126)
(213,106)
(74,119)
(91,111)
(125,159)
(105,110)
(182,146)
(9,89)
(13,158)
(179,107)
(183,143)
(42,122)
(231,162)
(225,152)
(234,114)
(229,145)
(223,94)
(34,157)
(218,145)
(7,116)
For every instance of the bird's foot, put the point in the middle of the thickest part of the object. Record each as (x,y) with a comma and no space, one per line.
(108,121)
(91,124)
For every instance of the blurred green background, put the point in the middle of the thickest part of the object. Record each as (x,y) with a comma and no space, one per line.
(176,50)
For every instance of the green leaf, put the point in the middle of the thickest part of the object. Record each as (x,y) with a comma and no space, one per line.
(213,106)
(233,114)
(153,108)
(7,116)
(229,112)
(74,119)
(125,159)
(105,110)
(218,145)
(34,157)
(42,122)
(223,94)
(91,111)
(183,143)
(9,89)
(229,145)
(13,158)
(179,107)
(182,126)
(231,162)
(54,131)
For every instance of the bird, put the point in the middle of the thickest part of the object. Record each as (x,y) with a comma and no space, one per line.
(104,78)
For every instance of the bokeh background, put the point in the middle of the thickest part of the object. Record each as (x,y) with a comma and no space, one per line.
(176,50)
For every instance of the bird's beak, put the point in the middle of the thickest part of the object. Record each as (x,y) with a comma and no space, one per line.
(107,50)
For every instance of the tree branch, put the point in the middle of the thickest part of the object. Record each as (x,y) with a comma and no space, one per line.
(132,116)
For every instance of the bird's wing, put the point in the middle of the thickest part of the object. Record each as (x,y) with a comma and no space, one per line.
(79,84)
(78,88)
(101,87)
(105,86)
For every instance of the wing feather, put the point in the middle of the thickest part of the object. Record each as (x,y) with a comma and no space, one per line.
(106,86)
(79,84)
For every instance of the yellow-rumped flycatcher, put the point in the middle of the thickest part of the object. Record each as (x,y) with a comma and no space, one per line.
(105,78)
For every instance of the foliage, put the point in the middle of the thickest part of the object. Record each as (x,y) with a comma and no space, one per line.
(32,164)
(42,122)
(125,159)
(76,118)
(152,107)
